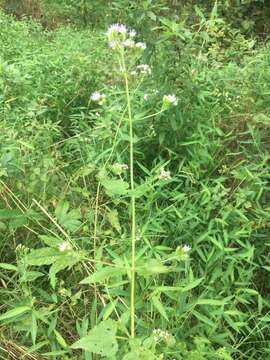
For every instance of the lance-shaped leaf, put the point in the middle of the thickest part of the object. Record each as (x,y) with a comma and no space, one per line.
(100,276)
(15,312)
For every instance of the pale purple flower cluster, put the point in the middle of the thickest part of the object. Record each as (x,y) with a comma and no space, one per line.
(119,36)
(115,29)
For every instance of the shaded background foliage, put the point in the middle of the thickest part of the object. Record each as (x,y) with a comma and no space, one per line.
(249,15)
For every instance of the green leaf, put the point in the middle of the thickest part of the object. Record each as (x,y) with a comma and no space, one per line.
(152,15)
(179,289)
(61,210)
(43,256)
(34,348)
(152,267)
(192,285)
(16,217)
(115,187)
(85,170)
(160,308)
(101,275)
(69,220)
(100,340)
(61,341)
(34,329)
(203,318)
(132,356)
(31,276)
(3,226)
(114,220)
(7,266)
(211,302)
(55,353)
(140,354)
(265,318)
(51,240)
(61,264)
(248,291)
(108,309)
(141,190)
(10,214)
(15,312)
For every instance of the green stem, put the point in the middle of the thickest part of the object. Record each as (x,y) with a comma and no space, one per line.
(151,115)
(133,207)
(95,238)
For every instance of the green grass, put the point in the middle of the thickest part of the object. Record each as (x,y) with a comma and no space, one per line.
(61,185)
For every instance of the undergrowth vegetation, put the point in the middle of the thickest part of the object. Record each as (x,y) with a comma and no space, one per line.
(134,181)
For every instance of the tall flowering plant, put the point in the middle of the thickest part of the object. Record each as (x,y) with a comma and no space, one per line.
(122,41)
(128,54)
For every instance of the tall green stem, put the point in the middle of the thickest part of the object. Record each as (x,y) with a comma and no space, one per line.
(133,207)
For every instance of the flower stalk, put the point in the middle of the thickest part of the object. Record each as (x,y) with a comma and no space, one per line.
(132,203)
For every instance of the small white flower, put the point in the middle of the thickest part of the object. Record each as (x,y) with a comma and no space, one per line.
(160,335)
(98,97)
(145,97)
(128,43)
(170,100)
(95,96)
(132,33)
(64,246)
(119,36)
(186,248)
(144,69)
(122,166)
(113,44)
(164,174)
(140,45)
(117,168)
